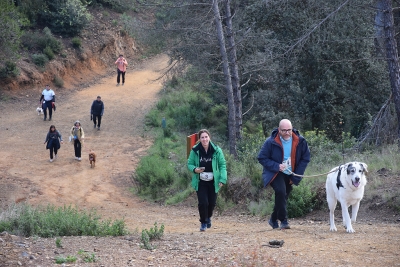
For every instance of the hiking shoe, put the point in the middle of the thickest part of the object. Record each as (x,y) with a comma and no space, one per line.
(203,227)
(209,223)
(94,125)
(50,119)
(98,128)
(44,118)
(274,224)
(285,225)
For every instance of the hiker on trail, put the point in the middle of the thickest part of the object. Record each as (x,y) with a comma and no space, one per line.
(53,140)
(207,163)
(284,152)
(96,112)
(77,136)
(46,101)
(121,68)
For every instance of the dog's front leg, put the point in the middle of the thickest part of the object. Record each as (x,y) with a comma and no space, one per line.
(354,211)
(346,218)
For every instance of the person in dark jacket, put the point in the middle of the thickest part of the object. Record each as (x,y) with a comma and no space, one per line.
(285,152)
(96,112)
(207,163)
(53,140)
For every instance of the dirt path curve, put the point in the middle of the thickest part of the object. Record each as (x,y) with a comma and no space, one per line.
(27,175)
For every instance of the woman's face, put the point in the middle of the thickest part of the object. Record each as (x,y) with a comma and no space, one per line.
(52,129)
(204,139)
(77,125)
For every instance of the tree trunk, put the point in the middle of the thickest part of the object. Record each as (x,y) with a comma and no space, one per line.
(228,81)
(232,58)
(392,57)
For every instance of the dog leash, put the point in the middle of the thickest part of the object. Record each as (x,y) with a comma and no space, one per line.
(315,175)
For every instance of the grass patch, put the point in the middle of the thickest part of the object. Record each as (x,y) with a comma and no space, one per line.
(51,221)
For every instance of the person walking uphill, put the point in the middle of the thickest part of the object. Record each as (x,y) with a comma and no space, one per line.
(77,135)
(121,68)
(285,151)
(96,112)
(53,140)
(207,162)
(46,101)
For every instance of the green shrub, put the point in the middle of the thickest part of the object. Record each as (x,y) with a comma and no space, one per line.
(48,52)
(9,70)
(301,200)
(65,17)
(40,59)
(152,234)
(76,42)
(63,221)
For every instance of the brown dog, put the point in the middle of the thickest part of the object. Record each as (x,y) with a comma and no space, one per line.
(92,159)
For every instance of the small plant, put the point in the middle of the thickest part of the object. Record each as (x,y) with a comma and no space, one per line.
(76,42)
(48,52)
(152,234)
(86,256)
(68,259)
(58,242)
(9,70)
(40,59)
(58,81)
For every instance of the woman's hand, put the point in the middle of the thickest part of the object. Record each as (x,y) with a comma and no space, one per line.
(221,185)
(199,170)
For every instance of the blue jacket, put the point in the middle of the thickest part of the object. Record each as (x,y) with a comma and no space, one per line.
(218,165)
(271,155)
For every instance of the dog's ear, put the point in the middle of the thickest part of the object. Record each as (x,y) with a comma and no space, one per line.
(365,167)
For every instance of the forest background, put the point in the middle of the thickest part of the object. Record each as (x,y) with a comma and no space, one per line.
(238,68)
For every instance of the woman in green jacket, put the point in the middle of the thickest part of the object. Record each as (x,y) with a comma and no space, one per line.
(207,162)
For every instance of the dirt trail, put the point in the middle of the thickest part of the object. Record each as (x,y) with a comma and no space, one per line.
(27,175)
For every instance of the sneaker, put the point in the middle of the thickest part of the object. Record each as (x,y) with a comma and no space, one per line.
(285,225)
(274,224)
(122,83)
(51,160)
(79,159)
(117,84)
(209,223)
(44,118)
(50,119)
(98,128)
(203,227)
(76,158)
(55,156)
(94,125)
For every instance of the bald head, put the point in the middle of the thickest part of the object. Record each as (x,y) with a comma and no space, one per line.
(285,129)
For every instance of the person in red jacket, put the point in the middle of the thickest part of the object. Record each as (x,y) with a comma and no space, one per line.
(121,68)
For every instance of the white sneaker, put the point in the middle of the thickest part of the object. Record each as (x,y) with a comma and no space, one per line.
(79,159)
(51,160)
(76,158)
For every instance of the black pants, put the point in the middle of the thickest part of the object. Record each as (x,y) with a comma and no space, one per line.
(119,74)
(77,148)
(282,188)
(97,120)
(53,149)
(47,105)
(207,200)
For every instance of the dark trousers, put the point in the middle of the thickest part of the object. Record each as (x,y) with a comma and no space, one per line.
(119,74)
(45,106)
(77,148)
(53,149)
(282,188)
(97,120)
(207,200)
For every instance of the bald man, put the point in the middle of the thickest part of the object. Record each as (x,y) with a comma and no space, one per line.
(283,153)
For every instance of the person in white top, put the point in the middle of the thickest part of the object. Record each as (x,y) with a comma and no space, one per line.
(47,100)
(121,68)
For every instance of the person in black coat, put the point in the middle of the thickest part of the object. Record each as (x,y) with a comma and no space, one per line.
(53,140)
(96,112)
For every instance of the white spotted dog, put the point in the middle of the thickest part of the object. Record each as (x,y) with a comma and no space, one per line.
(39,111)
(346,184)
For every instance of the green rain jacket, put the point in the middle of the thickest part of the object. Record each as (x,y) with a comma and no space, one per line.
(218,166)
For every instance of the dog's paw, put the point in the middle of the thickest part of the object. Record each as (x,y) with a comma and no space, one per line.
(350,229)
(333,229)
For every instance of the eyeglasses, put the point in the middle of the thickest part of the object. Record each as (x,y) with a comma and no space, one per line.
(286,130)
